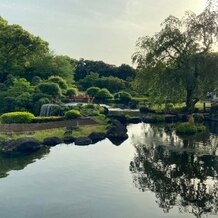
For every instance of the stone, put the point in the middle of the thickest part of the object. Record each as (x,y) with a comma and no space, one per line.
(117,130)
(97,136)
(83,141)
(135,120)
(68,139)
(52,141)
(22,145)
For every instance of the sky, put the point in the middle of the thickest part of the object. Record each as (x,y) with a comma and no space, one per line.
(104,30)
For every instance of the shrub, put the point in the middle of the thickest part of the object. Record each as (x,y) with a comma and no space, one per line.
(50,88)
(104,94)
(36,80)
(59,80)
(24,100)
(17,117)
(198,118)
(186,128)
(71,92)
(124,97)
(47,119)
(72,114)
(92,91)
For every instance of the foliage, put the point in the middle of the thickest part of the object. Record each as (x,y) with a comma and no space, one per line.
(60,81)
(17,117)
(85,67)
(24,101)
(36,80)
(47,119)
(104,94)
(123,97)
(18,49)
(19,86)
(92,110)
(50,65)
(113,84)
(186,128)
(92,91)
(71,92)
(50,88)
(176,64)
(72,114)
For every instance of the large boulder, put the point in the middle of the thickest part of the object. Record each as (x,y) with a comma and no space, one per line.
(22,145)
(120,117)
(97,136)
(117,131)
(52,141)
(83,141)
(68,139)
(135,120)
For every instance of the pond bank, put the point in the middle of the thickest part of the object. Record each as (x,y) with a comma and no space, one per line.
(43,126)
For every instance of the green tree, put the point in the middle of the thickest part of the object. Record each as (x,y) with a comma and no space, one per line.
(49,88)
(18,49)
(174,62)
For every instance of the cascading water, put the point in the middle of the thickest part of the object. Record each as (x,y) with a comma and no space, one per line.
(48,110)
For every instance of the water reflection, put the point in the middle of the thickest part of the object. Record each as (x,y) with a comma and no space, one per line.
(18,162)
(181,171)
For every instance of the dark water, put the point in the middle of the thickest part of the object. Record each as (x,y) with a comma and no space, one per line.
(154,173)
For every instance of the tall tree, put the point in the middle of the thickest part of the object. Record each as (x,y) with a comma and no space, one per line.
(18,48)
(175,60)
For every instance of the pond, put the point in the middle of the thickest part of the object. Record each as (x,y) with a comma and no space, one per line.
(154,173)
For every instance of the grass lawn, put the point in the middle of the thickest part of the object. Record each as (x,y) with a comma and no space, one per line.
(58,132)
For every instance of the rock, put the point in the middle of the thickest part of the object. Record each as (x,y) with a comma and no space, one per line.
(171,118)
(83,141)
(97,136)
(135,120)
(121,118)
(52,141)
(117,131)
(21,145)
(149,120)
(68,139)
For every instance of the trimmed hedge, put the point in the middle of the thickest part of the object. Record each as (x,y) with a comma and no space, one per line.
(17,117)
(189,128)
(47,119)
(72,114)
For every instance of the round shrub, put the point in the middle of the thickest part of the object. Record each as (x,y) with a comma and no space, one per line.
(17,117)
(50,88)
(36,80)
(104,94)
(24,100)
(72,114)
(59,80)
(186,128)
(124,97)
(92,91)
(71,92)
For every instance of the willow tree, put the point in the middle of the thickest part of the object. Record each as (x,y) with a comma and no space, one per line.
(174,63)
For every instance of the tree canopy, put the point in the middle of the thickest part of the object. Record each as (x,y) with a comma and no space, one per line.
(174,63)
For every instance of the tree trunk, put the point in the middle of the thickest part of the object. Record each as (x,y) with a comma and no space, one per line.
(189,100)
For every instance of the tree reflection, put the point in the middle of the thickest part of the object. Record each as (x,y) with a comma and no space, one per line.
(19,162)
(181,171)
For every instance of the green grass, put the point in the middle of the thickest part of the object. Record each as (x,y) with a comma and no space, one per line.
(57,132)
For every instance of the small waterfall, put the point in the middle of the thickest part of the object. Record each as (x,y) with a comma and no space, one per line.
(49,110)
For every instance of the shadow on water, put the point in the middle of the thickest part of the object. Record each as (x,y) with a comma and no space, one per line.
(19,162)
(182,171)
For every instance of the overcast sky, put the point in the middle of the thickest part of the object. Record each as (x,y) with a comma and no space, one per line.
(94,29)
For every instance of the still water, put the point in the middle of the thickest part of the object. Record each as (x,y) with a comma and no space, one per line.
(154,173)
